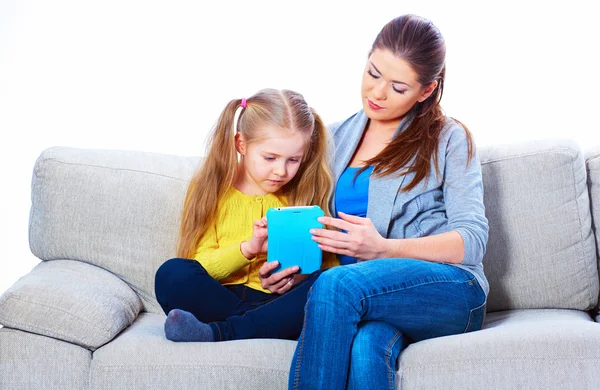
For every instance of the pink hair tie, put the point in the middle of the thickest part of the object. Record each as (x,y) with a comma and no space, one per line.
(243,102)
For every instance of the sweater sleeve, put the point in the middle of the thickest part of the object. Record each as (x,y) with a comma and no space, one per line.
(219,262)
(463,195)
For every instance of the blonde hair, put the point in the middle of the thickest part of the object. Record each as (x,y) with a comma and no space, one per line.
(283,109)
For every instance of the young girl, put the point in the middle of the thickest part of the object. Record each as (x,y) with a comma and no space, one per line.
(213,291)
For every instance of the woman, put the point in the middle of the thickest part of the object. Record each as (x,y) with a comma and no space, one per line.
(412,230)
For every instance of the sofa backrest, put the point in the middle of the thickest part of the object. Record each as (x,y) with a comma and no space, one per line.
(120,210)
(541,250)
(592,162)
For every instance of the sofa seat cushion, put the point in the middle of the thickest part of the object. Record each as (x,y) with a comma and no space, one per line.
(141,357)
(31,361)
(518,349)
(71,301)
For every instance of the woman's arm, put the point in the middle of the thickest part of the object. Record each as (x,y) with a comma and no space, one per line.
(442,248)
(364,242)
(463,197)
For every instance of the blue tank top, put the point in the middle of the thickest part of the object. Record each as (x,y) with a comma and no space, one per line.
(351,197)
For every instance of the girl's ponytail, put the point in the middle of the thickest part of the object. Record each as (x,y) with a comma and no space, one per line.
(210,183)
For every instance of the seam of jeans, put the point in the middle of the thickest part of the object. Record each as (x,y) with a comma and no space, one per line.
(413,286)
(388,354)
(219,330)
(471,315)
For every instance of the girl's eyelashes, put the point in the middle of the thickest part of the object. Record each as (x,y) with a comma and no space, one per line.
(293,160)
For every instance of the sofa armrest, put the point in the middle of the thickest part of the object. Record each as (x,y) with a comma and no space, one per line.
(71,301)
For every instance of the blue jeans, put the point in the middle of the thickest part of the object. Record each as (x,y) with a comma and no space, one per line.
(233,312)
(360,316)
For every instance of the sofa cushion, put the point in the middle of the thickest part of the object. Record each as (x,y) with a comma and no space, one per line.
(541,251)
(141,355)
(592,162)
(115,209)
(522,349)
(72,301)
(31,361)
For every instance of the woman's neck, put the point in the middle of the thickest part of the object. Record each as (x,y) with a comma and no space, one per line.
(382,126)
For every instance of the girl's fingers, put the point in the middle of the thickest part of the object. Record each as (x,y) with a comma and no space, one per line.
(278,277)
(277,288)
(287,287)
(265,270)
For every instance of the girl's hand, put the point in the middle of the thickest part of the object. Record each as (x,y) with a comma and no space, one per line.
(362,240)
(258,243)
(279,282)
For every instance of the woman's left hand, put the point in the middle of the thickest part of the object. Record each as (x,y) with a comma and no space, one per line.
(362,240)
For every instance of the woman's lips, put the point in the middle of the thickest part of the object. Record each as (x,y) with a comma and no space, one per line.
(374,106)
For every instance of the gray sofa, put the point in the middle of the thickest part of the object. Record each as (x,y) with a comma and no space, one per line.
(102,221)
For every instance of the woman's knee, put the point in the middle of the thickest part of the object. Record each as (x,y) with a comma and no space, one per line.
(330,285)
(337,289)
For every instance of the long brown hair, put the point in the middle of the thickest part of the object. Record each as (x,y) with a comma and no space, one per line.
(417,41)
(269,108)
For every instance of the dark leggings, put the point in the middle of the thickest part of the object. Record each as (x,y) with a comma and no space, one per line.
(233,312)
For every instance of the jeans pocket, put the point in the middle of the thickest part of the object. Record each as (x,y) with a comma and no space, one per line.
(476,317)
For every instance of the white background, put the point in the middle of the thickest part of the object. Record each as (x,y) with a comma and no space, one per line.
(154,75)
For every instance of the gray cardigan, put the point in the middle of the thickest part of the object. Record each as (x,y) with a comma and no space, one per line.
(452,201)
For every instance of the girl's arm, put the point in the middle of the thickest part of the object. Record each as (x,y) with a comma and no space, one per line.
(219,262)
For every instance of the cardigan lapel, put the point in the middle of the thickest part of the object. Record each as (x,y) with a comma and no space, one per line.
(384,192)
(346,138)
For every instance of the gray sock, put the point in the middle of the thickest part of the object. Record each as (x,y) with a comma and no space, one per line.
(184,326)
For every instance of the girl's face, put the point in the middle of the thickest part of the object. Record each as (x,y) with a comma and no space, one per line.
(390,88)
(270,163)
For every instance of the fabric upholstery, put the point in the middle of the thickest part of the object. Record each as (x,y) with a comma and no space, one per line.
(592,162)
(162,364)
(29,361)
(118,210)
(541,251)
(521,349)
(71,301)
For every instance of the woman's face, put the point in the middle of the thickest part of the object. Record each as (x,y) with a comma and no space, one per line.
(390,88)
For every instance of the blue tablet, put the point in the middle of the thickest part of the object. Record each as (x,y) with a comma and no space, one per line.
(290,240)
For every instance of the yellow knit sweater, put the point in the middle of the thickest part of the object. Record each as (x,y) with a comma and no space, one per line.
(219,249)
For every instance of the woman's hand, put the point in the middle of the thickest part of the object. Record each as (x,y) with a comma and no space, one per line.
(258,243)
(279,282)
(362,240)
